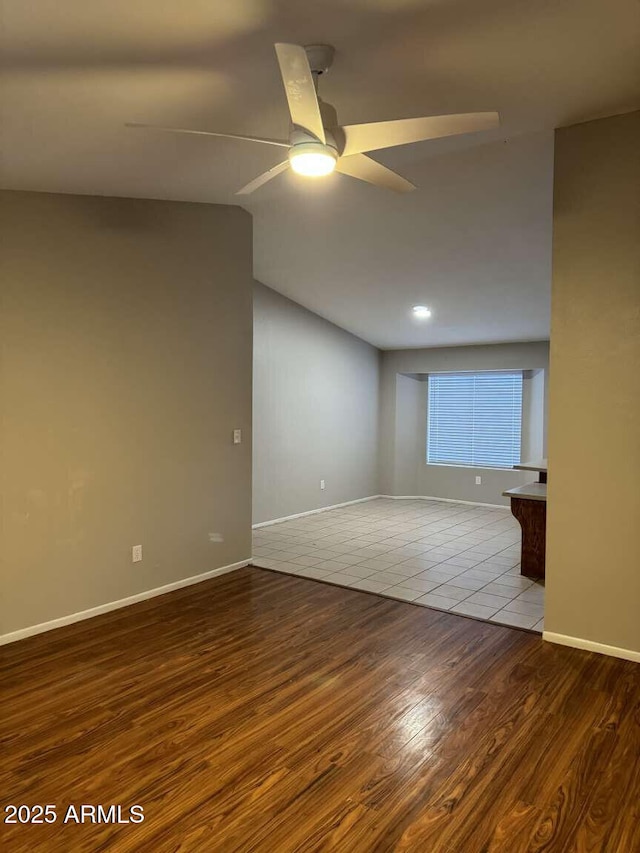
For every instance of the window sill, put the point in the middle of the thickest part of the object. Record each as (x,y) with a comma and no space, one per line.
(469,467)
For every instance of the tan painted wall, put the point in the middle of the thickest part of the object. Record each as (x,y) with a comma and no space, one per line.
(315,410)
(593,556)
(126,366)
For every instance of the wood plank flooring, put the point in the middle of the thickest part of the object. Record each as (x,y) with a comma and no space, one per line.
(264,712)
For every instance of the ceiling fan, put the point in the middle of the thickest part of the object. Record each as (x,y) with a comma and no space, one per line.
(317,145)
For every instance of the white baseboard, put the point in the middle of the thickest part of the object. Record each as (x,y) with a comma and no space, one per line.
(590,646)
(372,498)
(313,512)
(442,500)
(116,605)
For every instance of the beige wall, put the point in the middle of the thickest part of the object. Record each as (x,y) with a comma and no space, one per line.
(315,411)
(593,549)
(404,469)
(126,366)
(408,435)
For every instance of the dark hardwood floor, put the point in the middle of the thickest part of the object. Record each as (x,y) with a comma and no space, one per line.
(264,712)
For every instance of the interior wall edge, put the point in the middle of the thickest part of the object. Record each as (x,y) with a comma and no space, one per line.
(593,505)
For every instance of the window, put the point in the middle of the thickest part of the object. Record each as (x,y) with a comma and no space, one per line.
(474,419)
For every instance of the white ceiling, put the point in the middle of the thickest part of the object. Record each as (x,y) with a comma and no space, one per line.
(473,241)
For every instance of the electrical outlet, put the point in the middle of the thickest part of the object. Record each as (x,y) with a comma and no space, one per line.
(237,436)
(478,481)
(322,485)
(136,554)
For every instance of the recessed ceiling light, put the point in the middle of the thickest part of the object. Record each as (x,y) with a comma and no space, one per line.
(421,311)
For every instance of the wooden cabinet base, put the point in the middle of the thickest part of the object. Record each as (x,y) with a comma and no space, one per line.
(532,515)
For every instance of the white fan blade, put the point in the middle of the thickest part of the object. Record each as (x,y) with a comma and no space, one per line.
(365,169)
(263,178)
(387,134)
(280,142)
(300,89)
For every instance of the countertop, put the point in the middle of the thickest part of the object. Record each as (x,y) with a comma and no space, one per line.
(532,492)
(540,465)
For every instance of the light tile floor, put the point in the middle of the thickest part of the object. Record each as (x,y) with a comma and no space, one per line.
(446,555)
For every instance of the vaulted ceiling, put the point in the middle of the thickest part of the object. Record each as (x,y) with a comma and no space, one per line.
(473,242)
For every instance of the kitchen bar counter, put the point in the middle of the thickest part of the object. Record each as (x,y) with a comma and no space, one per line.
(529,506)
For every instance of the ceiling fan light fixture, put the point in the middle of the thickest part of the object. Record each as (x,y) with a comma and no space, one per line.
(312,159)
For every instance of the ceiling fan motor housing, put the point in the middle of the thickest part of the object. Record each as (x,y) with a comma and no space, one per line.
(320,57)
(334,138)
(299,136)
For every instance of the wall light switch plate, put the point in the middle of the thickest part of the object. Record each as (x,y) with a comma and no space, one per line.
(237,436)
(136,554)
(478,481)
(322,484)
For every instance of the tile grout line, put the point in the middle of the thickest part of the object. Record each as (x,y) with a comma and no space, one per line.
(365,522)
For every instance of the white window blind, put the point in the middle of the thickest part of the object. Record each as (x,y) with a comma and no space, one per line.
(474,419)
